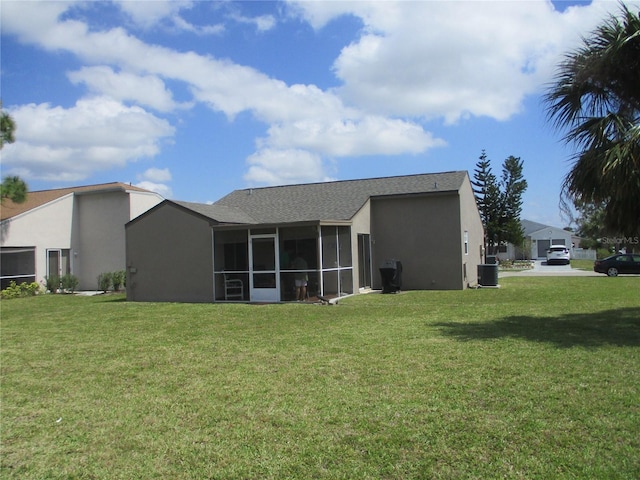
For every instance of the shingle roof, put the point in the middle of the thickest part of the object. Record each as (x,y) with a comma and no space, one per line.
(220,213)
(337,201)
(9,209)
(530,227)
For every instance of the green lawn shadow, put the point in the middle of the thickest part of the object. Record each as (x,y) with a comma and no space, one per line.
(620,327)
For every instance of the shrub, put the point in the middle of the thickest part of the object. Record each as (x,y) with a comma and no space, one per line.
(118,279)
(69,282)
(515,264)
(23,290)
(603,252)
(52,283)
(104,281)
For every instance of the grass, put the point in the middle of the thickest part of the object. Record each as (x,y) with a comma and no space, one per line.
(538,379)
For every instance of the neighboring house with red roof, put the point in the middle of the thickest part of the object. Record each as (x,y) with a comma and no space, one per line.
(242,247)
(77,230)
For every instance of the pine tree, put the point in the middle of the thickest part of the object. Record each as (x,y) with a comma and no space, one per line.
(499,202)
(7,128)
(12,188)
(487,194)
(513,186)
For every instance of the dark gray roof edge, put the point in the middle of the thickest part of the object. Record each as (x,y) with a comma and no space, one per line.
(339,203)
(530,226)
(353,180)
(201,210)
(218,213)
(338,200)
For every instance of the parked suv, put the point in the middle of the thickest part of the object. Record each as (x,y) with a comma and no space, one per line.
(558,254)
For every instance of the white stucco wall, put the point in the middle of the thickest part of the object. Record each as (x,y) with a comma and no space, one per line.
(140,202)
(45,227)
(361,223)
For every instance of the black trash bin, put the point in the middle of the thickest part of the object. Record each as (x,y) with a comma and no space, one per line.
(491,260)
(391,273)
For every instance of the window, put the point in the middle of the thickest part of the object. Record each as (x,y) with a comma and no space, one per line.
(18,265)
(364,260)
(466,242)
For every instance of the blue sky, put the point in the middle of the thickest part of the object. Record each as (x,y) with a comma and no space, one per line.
(194,99)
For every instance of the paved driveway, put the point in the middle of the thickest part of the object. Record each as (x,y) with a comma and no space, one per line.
(541,268)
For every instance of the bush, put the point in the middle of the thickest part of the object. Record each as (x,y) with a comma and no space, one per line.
(118,279)
(69,282)
(515,264)
(52,283)
(603,253)
(23,290)
(105,281)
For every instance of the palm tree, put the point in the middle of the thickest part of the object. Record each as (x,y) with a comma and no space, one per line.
(595,97)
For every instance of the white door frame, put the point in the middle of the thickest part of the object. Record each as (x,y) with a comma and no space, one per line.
(268,291)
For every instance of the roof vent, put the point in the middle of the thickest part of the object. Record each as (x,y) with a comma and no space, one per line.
(435,185)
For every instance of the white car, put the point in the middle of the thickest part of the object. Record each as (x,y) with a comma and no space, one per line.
(558,254)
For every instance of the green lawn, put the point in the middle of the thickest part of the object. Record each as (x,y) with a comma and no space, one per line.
(539,379)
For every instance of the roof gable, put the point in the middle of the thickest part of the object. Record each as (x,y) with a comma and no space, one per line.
(529,227)
(219,213)
(10,209)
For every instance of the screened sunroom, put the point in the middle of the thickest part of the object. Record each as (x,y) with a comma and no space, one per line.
(262,264)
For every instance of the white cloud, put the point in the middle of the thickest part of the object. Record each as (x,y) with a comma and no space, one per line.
(263,23)
(227,87)
(276,167)
(147,13)
(370,135)
(150,13)
(54,143)
(412,61)
(156,175)
(159,188)
(182,24)
(451,59)
(155,179)
(147,90)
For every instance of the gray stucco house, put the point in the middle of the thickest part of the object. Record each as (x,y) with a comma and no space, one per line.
(538,238)
(75,230)
(242,247)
